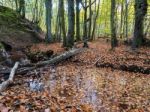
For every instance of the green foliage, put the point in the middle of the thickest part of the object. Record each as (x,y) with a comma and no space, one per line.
(103,21)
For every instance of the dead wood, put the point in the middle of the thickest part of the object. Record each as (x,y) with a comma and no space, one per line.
(26,68)
(123,67)
(61,57)
(6,83)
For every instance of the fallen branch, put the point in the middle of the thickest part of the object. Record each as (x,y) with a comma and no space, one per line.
(61,57)
(123,67)
(24,69)
(6,83)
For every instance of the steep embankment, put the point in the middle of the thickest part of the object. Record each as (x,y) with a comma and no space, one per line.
(13,29)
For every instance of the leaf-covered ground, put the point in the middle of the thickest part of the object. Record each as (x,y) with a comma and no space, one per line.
(77,85)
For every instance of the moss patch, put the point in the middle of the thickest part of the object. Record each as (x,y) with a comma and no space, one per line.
(8,16)
(11,19)
(12,30)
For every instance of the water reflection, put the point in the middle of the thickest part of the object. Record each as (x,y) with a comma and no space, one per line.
(77,88)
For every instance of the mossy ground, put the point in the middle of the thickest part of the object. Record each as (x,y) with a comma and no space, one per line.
(8,16)
(12,30)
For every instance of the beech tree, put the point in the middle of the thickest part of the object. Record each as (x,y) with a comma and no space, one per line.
(78,20)
(62,20)
(140,12)
(85,25)
(95,19)
(85,20)
(48,5)
(71,23)
(113,24)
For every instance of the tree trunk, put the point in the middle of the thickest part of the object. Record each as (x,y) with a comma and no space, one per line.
(113,25)
(35,13)
(62,19)
(140,12)
(77,21)
(121,22)
(94,24)
(48,5)
(71,22)
(58,23)
(85,26)
(90,20)
(126,18)
(61,57)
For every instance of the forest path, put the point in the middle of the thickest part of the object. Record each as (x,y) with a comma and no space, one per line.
(78,85)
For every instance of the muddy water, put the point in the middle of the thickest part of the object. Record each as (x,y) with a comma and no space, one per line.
(71,88)
(85,87)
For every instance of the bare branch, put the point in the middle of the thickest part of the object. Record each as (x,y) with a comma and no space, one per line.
(6,83)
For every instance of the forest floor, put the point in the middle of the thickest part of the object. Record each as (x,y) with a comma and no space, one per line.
(92,81)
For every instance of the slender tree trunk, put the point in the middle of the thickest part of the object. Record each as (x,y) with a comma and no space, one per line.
(36,12)
(126,18)
(58,22)
(62,19)
(121,22)
(94,24)
(85,26)
(140,12)
(23,9)
(71,22)
(78,20)
(90,19)
(48,4)
(113,25)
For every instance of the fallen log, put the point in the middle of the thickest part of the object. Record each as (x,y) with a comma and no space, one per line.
(37,56)
(123,67)
(25,68)
(6,83)
(61,57)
